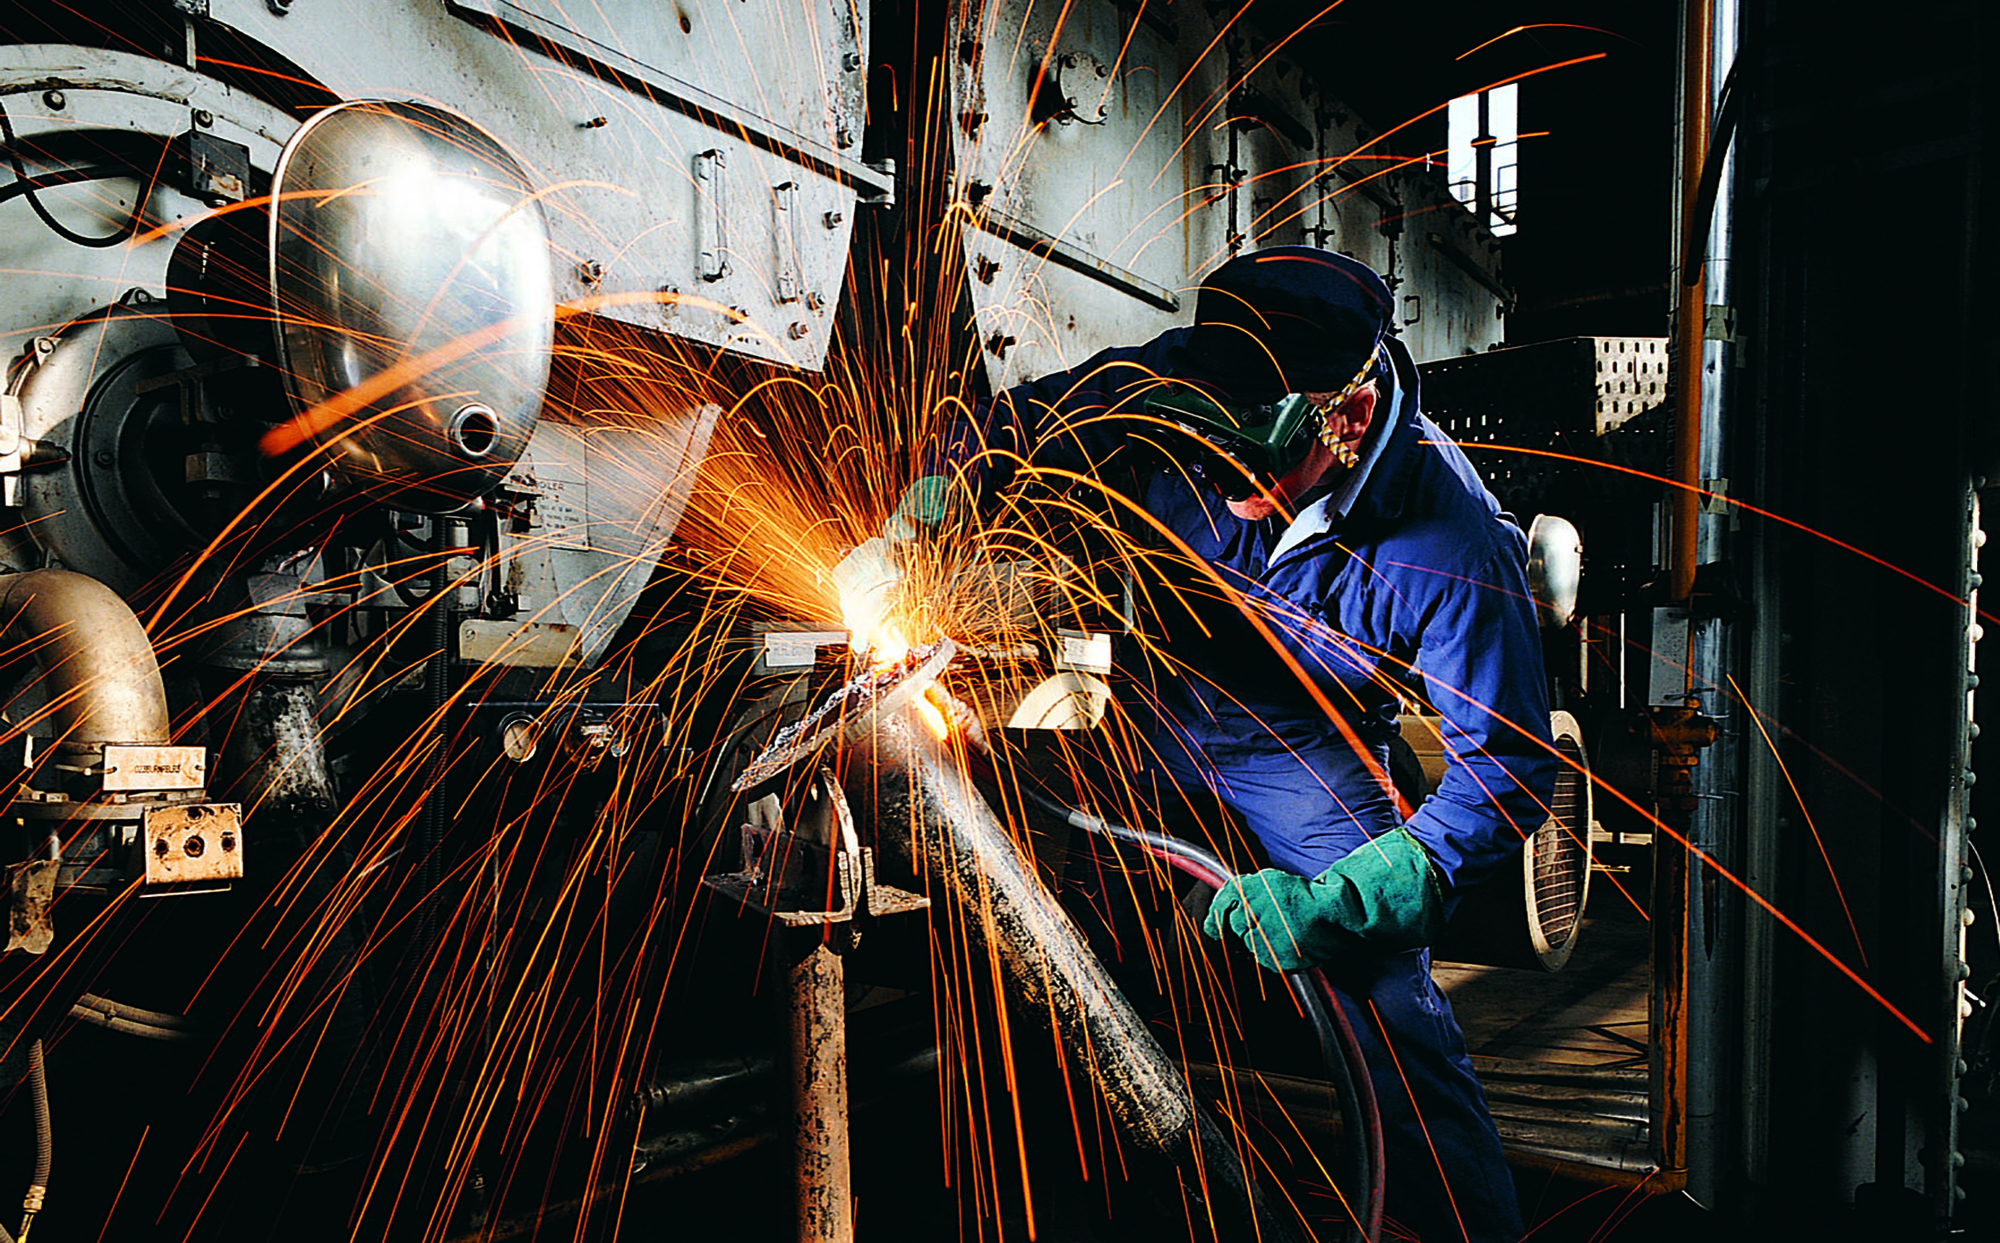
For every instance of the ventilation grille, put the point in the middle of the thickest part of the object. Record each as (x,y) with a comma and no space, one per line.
(1561,864)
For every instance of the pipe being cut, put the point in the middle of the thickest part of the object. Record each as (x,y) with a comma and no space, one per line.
(966,852)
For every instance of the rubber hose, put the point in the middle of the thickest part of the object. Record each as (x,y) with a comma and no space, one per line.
(1338,1045)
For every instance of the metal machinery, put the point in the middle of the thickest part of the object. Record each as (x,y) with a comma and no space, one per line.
(329,571)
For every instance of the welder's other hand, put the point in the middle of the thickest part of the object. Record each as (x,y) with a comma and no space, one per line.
(1381,898)
(922,508)
(867,579)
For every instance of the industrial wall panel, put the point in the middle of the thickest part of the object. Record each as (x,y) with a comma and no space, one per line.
(699,162)
(1105,161)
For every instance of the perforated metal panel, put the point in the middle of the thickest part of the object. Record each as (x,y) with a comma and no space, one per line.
(1584,399)
(1531,916)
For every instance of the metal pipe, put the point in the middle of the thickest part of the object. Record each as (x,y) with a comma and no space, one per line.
(1697,74)
(816,996)
(101,677)
(1055,979)
(276,757)
(1714,927)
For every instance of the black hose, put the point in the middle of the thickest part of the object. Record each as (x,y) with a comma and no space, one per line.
(26,185)
(1339,1048)
(62,177)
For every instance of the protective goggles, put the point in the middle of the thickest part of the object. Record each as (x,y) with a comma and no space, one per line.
(1238,450)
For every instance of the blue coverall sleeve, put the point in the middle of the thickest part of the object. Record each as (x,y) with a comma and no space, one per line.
(1056,421)
(1481,657)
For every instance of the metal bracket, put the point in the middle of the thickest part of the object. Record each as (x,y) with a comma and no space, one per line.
(812,874)
(784,202)
(711,223)
(882,194)
(190,848)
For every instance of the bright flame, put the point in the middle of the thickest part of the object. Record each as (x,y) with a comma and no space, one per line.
(889,646)
(933,717)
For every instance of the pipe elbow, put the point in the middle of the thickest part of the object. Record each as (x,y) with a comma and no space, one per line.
(94,661)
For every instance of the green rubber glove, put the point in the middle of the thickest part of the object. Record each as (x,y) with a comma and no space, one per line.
(1383,897)
(868,577)
(923,505)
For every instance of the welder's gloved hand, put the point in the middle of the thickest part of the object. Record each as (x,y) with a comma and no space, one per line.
(1381,898)
(868,577)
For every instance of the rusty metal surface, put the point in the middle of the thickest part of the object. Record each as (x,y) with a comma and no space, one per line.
(814,871)
(816,997)
(30,889)
(192,847)
(1055,980)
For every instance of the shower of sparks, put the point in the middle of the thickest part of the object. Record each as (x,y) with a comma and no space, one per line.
(485,1018)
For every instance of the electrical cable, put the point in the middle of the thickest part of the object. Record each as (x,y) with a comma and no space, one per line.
(433,817)
(24,185)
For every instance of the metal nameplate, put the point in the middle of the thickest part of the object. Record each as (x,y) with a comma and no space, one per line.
(128,767)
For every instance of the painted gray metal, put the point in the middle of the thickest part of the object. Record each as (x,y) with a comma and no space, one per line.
(611,106)
(1082,233)
(101,90)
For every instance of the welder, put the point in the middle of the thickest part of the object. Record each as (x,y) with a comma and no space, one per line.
(1353,553)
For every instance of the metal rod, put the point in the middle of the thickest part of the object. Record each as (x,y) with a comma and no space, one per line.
(816,996)
(1054,978)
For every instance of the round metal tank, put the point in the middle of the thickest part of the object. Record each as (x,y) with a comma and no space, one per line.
(410,280)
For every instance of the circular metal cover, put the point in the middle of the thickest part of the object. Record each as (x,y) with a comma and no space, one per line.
(410,278)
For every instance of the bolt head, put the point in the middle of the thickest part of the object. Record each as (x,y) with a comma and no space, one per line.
(54,100)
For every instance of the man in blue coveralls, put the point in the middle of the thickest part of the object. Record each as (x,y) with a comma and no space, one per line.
(1350,542)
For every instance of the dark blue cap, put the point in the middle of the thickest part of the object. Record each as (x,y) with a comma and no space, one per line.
(1290,319)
